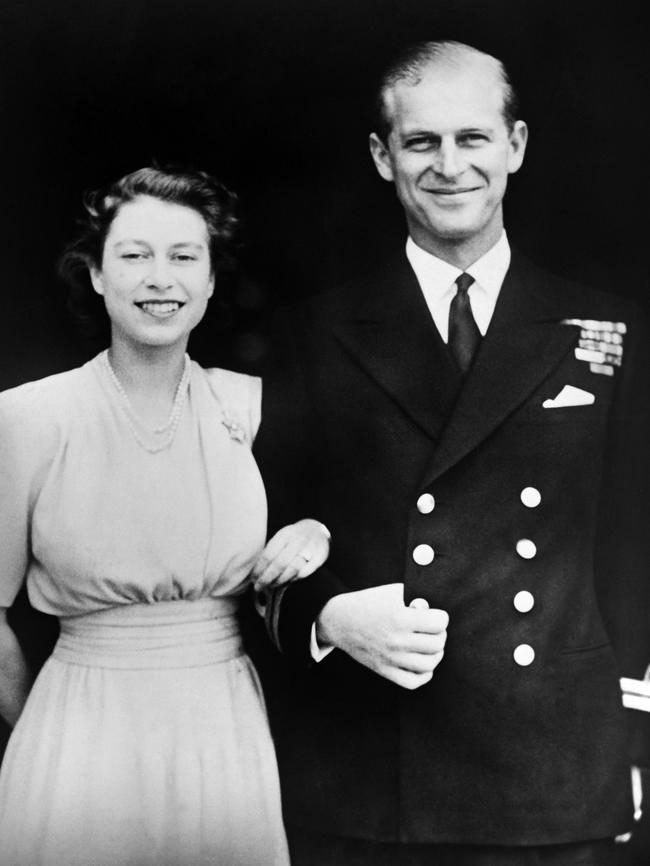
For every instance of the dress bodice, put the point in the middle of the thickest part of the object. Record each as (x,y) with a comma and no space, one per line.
(95,520)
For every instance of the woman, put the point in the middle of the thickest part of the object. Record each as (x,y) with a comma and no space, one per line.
(132,503)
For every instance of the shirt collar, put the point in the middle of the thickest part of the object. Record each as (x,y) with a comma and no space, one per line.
(436,277)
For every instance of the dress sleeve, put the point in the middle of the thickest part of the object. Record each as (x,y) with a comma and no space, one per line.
(24,448)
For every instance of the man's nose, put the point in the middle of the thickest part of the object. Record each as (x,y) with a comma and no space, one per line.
(160,275)
(448,160)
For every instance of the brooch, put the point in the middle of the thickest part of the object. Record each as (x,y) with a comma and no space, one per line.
(600,344)
(235,430)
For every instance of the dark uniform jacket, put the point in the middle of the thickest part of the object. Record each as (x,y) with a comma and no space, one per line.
(371,410)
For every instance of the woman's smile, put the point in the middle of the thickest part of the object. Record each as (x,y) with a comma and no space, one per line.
(160,309)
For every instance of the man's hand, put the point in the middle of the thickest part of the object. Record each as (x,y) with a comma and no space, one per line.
(373,626)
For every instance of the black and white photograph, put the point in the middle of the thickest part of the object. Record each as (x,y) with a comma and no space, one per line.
(324,433)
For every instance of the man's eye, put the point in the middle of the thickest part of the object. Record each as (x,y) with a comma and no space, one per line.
(184,257)
(133,256)
(473,138)
(419,144)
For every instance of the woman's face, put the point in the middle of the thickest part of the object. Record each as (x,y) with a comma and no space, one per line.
(156,274)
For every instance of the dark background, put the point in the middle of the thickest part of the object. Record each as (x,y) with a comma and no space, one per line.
(270,95)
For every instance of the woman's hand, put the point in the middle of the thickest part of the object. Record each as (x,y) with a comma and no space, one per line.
(294,552)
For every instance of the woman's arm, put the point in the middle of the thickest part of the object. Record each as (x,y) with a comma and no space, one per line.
(294,552)
(15,680)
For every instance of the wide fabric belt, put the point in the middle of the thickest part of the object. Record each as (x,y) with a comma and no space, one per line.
(167,634)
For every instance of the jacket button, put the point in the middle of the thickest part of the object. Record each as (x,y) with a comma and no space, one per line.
(419,604)
(524,601)
(423,554)
(531,497)
(526,548)
(426,503)
(524,655)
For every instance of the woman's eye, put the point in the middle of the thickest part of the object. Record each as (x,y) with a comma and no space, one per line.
(132,256)
(184,257)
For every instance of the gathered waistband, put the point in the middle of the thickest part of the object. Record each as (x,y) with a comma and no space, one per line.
(167,634)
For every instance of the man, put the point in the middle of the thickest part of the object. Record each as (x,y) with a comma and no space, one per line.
(474,433)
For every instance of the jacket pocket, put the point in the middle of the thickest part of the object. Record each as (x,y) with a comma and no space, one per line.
(593,647)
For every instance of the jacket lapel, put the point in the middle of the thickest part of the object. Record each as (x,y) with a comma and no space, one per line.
(393,337)
(524,343)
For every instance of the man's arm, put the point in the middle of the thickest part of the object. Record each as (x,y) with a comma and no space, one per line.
(371,625)
(289,453)
(622,559)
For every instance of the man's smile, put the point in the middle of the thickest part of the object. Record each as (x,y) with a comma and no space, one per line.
(452,192)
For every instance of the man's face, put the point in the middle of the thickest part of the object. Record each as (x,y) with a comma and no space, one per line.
(449,154)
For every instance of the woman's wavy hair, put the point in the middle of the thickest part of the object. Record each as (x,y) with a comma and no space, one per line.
(188,187)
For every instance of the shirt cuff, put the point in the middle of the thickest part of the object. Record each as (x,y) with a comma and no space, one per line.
(318,653)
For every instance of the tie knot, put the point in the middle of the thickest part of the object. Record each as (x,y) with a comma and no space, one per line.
(464,281)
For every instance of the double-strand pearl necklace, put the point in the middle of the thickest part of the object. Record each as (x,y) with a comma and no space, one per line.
(131,416)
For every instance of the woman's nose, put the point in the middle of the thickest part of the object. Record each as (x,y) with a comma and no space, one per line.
(160,275)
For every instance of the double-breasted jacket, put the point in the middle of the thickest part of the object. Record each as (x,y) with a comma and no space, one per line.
(518,506)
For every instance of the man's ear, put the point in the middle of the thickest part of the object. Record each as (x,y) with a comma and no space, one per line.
(518,140)
(381,156)
(97,280)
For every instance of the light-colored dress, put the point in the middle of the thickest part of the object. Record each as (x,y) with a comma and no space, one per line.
(144,739)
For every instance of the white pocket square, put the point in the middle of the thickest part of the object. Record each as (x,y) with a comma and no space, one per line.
(569,396)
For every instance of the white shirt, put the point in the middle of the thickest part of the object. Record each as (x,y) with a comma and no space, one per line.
(437,280)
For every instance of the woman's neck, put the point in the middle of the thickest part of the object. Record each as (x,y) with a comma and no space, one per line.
(150,376)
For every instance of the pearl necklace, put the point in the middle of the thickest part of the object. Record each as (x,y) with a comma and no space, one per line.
(132,419)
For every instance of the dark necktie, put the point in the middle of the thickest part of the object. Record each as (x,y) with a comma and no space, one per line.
(464,335)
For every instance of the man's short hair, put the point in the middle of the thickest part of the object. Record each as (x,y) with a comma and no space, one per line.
(409,64)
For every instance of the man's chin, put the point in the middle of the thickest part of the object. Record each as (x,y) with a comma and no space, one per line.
(461,227)
(455,233)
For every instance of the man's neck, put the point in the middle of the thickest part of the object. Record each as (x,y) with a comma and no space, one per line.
(459,253)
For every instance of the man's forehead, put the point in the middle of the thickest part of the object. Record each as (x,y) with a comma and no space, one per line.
(459,62)
(461,93)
